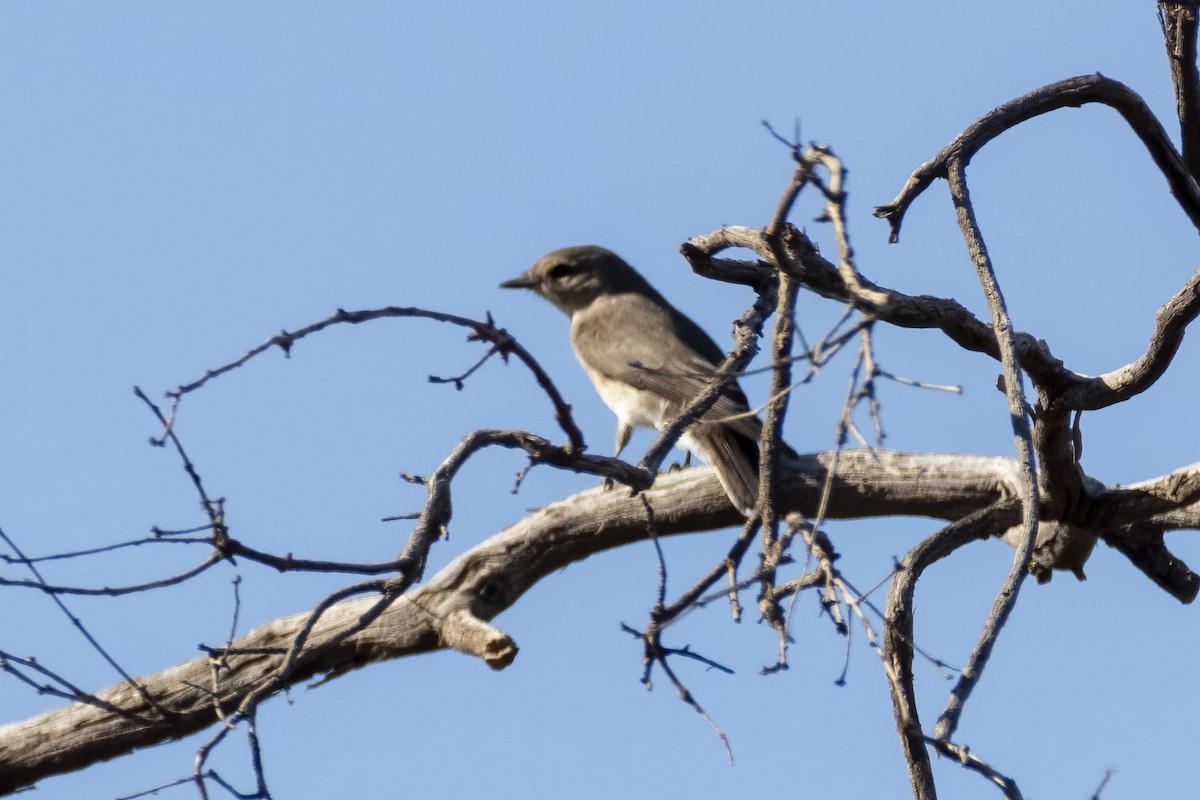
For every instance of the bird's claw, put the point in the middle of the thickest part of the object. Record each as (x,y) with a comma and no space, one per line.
(687,462)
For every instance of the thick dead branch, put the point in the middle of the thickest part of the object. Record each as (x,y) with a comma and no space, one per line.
(1144,512)
(1067,389)
(1144,546)
(453,610)
(897,308)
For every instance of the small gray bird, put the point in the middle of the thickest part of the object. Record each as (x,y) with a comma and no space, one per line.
(647,360)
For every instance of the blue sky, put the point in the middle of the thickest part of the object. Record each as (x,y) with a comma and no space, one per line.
(181,181)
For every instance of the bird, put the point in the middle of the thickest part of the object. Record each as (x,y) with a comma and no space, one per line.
(647,360)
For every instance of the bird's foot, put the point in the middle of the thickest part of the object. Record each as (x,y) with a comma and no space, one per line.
(687,462)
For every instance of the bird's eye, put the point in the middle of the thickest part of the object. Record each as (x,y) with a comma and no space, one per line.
(559,271)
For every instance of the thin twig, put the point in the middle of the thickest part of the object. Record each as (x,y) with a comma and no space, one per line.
(87,635)
(966,758)
(485,330)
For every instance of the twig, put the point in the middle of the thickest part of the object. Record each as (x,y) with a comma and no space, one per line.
(153,790)
(1108,773)
(748,328)
(104,549)
(91,640)
(72,692)
(485,330)
(459,380)
(115,591)
(966,758)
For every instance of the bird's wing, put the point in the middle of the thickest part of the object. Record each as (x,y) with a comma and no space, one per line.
(631,339)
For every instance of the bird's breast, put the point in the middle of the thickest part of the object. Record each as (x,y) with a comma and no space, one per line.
(634,407)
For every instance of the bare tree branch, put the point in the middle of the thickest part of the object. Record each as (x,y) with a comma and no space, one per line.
(969,760)
(1019,416)
(453,610)
(1071,390)
(899,632)
(480,331)
(1178,20)
(1119,385)
(1069,93)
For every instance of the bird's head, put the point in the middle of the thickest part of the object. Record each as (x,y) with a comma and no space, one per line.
(572,278)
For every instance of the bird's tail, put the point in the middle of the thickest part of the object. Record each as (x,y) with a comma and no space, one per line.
(734,456)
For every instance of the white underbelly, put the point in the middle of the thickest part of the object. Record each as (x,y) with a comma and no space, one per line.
(634,407)
(641,409)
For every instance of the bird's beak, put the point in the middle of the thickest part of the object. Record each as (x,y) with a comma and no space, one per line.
(523,282)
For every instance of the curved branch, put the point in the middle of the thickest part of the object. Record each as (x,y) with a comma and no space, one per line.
(1069,93)
(1068,390)
(1170,324)
(898,630)
(895,308)
(486,330)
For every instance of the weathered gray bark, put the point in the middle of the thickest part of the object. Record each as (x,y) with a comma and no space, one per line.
(453,610)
